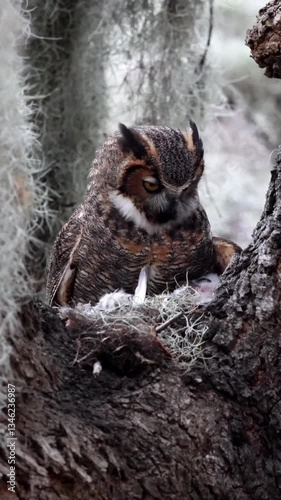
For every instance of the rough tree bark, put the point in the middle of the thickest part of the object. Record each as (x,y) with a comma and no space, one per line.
(155,433)
(264,39)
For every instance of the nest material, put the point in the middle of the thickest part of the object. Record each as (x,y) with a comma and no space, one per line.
(165,328)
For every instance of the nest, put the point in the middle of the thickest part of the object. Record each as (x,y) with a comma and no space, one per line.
(163,329)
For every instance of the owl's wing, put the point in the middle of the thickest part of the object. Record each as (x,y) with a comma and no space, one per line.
(224,251)
(63,262)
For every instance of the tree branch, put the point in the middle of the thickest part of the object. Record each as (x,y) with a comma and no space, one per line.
(156,432)
(264,39)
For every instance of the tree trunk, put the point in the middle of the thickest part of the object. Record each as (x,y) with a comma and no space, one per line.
(66,87)
(154,432)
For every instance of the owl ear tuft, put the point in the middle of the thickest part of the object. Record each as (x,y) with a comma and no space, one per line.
(196,140)
(130,141)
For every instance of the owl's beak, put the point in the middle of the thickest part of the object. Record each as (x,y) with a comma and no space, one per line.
(168,212)
(176,191)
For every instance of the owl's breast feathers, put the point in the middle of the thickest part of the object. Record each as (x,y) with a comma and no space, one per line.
(171,257)
(93,257)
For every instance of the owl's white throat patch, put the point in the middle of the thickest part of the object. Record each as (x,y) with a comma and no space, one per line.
(130,212)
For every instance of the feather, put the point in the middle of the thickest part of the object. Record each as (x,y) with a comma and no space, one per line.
(130,141)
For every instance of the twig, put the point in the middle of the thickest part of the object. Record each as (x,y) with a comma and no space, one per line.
(211,25)
(77,352)
(86,356)
(169,321)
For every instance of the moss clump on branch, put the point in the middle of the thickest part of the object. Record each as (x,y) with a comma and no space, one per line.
(166,327)
(22,198)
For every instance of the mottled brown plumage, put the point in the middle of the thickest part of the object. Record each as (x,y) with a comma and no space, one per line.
(141,210)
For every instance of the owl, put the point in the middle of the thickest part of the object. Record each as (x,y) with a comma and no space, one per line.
(141,210)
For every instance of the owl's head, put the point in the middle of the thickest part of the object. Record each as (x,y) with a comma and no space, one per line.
(157,178)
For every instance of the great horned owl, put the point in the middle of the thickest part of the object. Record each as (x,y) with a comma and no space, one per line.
(141,209)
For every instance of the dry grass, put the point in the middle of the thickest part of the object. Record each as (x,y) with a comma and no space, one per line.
(165,327)
(22,198)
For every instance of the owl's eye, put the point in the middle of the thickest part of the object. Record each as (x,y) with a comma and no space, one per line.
(151,186)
